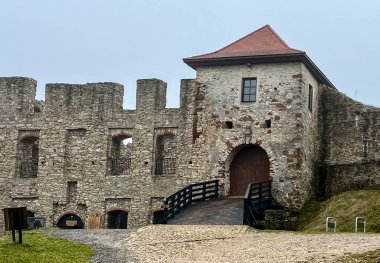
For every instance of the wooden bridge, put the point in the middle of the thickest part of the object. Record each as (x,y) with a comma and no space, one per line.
(200,204)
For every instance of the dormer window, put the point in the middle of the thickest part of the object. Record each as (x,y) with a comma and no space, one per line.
(249,90)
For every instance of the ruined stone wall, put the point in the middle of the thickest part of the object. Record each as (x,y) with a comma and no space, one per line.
(282,91)
(350,151)
(83,168)
(75,127)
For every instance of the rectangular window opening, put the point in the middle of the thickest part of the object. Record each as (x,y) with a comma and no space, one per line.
(268,123)
(249,90)
(229,124)
(310,100)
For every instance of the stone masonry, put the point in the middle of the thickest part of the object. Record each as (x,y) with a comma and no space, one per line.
(66,155)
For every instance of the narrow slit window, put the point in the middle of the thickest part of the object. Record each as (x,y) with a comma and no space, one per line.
(268,123)
(310,100)
(249,90)
(229,124)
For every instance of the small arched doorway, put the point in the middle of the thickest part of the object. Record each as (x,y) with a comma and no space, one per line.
(117,219)
(70,221)
(250,164)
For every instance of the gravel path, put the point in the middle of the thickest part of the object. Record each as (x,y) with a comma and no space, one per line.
(105,241)
(216,243)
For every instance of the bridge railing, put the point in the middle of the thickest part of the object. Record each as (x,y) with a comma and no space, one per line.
(188,195)
(258,197)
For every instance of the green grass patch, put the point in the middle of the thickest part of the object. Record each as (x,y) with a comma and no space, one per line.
(39,248)
(367,257)
(345,207)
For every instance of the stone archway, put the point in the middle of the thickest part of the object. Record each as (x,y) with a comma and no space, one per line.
(250,164)
(70,221)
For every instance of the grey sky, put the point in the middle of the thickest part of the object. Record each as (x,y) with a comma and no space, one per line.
(79,41)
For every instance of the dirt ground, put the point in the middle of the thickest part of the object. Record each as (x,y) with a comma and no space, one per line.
(168,243)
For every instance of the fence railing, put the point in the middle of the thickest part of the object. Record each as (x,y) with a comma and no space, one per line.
(121,165)
(258,197)
(29,168)
(188,195)
(166,165)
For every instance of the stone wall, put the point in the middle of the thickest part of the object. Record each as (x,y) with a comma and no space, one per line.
(75,128)
(77,134)
(350,153)
(282,95)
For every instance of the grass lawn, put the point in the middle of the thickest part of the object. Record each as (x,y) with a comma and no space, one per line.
(345,207)
(37,248)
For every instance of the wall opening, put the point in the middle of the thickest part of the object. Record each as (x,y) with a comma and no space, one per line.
(268,123)
(28,157)
(229,124)
(117,219)
(159,217)
(70,221)
(310,99)
(166,151)
(249,165)
(121,154)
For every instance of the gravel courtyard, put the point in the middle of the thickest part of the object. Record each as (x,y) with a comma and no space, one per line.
(204,243)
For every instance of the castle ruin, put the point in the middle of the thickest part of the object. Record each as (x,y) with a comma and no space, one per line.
(257,110)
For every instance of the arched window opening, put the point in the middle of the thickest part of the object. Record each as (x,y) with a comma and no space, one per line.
(121,155)
(166,149)
(117,219)
(70,221)
(28,157)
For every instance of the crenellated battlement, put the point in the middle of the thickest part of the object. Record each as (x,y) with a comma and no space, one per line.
(98,98)
(17,95)
(103,98)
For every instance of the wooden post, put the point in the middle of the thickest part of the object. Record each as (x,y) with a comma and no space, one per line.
(191,194)
(20,226)
(260,195)
(204,192)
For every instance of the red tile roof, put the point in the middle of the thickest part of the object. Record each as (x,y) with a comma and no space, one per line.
(261,46)
(261,42)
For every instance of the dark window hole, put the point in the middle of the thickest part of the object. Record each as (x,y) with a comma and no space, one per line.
(268,123)
(229,124)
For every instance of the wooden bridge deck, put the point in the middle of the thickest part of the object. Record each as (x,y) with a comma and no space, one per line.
(224,211)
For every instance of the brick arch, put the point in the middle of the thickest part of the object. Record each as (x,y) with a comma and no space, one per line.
(67,213)
(29,138)
(166,131)
(122,136)
(30,211)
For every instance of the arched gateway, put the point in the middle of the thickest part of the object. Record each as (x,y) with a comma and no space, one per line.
(250,164)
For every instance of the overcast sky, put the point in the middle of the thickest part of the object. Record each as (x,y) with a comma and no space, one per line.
(80,41)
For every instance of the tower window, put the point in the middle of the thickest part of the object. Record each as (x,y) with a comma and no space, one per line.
(249,90)
(310,100)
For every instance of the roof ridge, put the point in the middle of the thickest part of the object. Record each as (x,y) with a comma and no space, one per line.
(278,36)
(282,40)
(264,40)
(209,53)
(242,38)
